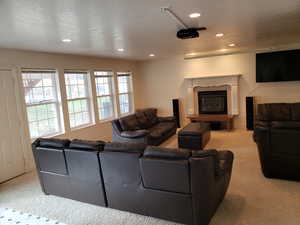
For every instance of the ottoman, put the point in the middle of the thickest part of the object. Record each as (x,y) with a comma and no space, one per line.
(194,136)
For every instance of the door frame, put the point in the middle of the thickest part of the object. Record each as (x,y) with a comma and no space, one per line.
(23,121)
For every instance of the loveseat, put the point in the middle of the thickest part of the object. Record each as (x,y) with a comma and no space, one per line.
(144,126)
(277,135)
(172,184)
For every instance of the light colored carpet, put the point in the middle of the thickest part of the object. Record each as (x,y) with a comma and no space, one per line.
(250,200)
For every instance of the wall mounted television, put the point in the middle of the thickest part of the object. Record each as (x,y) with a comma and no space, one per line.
(278,66)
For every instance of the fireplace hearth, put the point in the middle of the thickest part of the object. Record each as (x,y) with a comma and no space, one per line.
(212,102)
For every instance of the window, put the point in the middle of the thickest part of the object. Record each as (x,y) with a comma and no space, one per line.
(41,98)
(124,92)
(104,90)
(78,98)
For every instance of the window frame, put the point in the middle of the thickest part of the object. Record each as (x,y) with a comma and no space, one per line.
(57,101)
(111,94)
(129,93)
(88,98)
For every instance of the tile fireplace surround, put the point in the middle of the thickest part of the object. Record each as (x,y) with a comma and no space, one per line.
(228,82)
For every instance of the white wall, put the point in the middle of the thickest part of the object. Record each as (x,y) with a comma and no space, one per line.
(163,80)
(27,59)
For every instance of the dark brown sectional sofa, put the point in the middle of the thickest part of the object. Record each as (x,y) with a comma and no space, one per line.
(277,135)
(144,126)
(172,184)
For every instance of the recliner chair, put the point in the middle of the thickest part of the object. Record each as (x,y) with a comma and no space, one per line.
(277,135)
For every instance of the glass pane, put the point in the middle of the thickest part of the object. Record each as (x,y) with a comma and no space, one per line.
(79,112)
(124,103)
(76,85)
(103,73)
(105,105)
(43,120)
(123,84)
(103,85)
(39,87)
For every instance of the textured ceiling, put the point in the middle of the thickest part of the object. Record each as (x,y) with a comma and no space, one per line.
(100,27)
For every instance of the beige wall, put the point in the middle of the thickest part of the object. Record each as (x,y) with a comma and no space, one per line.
(28,59)
(163,80)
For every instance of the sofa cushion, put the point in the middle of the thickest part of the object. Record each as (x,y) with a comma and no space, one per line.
(125,147)
(151,114)
(165,169)
(274,111)
(134,134)
(166,153)
(143,121)
(295,111)
(87,145)
(161,129)
(194,129)
(53,142)
(285,125)
(129,123)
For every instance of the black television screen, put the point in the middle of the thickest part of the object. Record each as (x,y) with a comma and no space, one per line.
(278,66)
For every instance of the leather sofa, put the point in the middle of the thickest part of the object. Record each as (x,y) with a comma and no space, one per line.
(144,126)
(277,135)
(171,184)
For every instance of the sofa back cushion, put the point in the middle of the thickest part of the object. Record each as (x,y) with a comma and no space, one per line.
(285,125)
(122,180)
(143,120)
(150,114)
(274,111)
(125,147)
(53,143)
(86,145)
(295,111)
(129,123)
(166,169)
(49,155)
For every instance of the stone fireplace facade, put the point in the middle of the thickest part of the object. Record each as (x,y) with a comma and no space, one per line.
(228,83)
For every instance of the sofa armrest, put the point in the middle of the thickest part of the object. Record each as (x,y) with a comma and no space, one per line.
(134,134)
(225,160)
(167,119)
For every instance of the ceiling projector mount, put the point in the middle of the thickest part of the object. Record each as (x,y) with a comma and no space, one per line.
(186,32)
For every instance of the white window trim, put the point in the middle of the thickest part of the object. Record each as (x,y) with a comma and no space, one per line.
(89,98)
(112,95)
(58,102)
(130,94)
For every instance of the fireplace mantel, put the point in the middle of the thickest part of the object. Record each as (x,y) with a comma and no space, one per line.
(206,81)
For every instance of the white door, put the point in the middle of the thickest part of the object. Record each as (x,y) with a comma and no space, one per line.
(12,146)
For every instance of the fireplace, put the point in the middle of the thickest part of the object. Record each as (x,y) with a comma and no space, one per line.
(212,102)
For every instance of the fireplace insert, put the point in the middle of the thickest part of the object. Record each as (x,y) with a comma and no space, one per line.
(212,102)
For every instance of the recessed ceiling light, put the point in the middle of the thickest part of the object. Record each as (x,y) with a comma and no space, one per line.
(219,35)
(195,15)
(66,40)
(151,55)
(231,45)
(121,49)
(223,49)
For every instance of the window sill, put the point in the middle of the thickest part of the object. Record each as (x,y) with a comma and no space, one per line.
(83,126)
(106,120)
